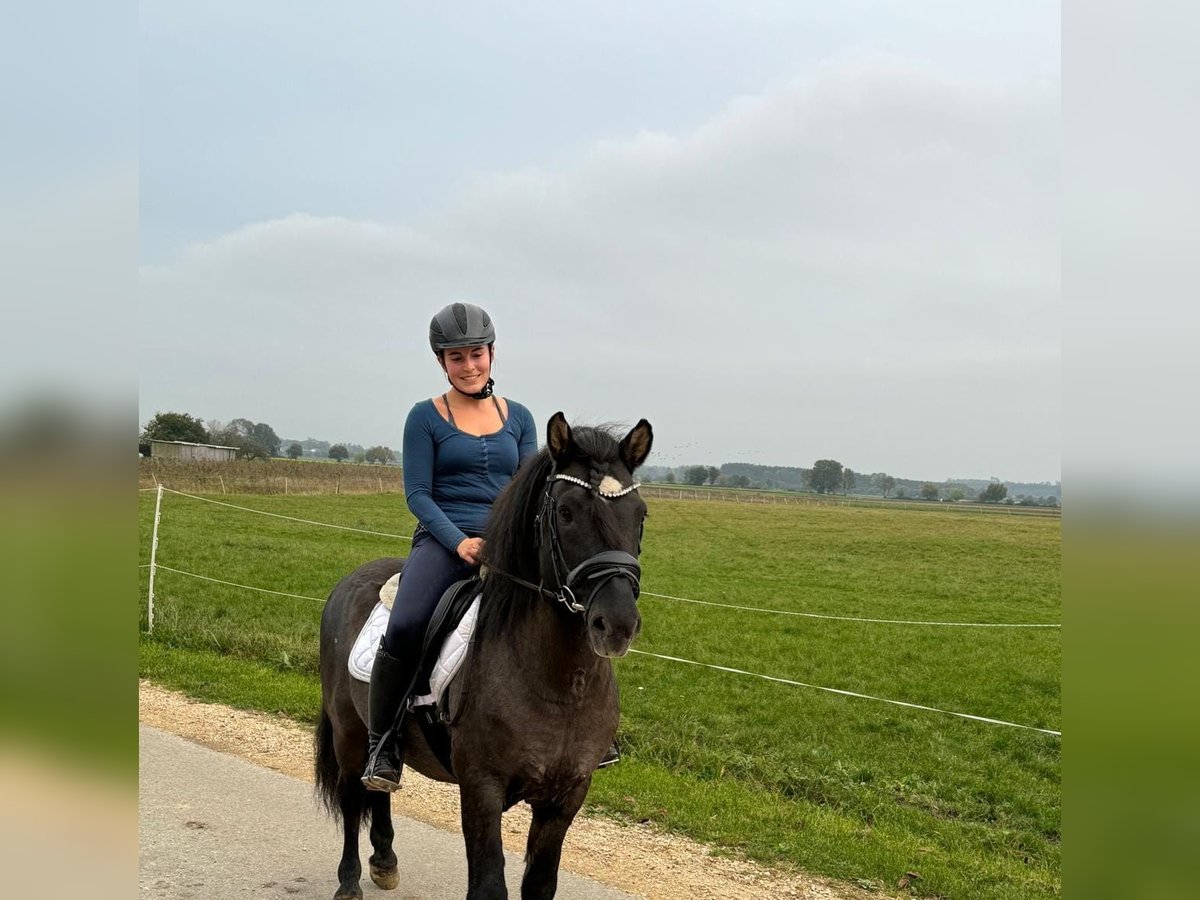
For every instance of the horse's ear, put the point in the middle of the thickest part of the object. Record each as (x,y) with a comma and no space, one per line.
(636,446)
(558,438)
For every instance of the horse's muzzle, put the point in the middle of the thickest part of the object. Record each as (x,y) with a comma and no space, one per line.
(613,621)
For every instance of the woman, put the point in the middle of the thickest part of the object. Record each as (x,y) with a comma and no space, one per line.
(460,450)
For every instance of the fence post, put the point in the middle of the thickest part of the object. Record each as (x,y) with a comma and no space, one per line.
(153,562)
(222,477)
(285,487)
(381,485)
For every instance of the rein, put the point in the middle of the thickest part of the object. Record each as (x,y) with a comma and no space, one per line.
(591,574)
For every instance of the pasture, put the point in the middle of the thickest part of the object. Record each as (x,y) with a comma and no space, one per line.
(845,787)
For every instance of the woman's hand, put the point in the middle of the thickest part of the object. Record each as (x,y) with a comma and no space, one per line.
(471,550)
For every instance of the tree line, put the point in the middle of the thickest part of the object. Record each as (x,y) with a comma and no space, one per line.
(252,440)
(257,440)
(829,476)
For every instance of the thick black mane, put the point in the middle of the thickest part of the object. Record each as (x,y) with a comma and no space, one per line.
(512,540)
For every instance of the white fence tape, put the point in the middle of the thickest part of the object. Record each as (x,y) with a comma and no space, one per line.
(263,512)
(728,669)
(781,612)
(690,662)
(236,585)
(830,690)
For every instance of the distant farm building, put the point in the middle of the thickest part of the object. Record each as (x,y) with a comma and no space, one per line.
(186,450)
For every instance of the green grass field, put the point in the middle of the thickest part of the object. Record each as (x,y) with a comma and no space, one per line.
(848,788)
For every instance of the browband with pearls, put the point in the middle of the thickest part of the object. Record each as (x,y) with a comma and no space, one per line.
(610,495)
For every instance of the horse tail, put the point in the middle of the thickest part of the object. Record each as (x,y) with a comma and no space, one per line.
(325,765)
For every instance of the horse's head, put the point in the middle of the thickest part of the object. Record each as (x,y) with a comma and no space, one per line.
(590,528)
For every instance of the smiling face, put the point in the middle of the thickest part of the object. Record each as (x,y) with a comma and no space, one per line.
(468,368)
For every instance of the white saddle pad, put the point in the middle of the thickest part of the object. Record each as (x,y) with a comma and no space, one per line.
(450,659)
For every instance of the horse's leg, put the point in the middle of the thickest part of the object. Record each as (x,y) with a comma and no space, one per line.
(482,804)
(351,799)
(384,871)
(544,850)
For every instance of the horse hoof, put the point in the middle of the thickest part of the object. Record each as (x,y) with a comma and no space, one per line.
(387,879)
(356,894)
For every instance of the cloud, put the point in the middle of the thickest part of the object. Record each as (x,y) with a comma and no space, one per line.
(863,263)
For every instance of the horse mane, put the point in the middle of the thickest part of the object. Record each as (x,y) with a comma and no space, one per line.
(511,539)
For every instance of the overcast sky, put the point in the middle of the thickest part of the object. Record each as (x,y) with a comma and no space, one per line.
(779,231)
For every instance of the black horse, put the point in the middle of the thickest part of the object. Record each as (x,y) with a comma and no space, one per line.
(535,707)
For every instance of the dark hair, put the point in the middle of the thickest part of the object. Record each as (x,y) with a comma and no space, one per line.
(441,354)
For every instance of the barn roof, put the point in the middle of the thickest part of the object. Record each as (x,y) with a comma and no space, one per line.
(194,444)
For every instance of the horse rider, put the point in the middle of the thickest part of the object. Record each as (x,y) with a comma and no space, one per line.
(460,450)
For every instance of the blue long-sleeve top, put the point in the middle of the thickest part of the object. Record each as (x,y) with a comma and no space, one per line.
(451,478)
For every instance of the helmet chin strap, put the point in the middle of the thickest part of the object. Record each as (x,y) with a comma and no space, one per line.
(478,395)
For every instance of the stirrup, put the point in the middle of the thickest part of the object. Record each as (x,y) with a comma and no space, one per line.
(379,783)
(611,757)
(376,781)
(373,778)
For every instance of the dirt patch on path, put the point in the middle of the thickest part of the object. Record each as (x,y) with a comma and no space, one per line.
(633,858)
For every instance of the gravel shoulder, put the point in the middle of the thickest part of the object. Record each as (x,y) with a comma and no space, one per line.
(634,858)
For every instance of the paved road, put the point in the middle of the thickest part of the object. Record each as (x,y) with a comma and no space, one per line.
(216,826)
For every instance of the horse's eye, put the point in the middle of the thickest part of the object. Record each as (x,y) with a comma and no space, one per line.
(564,513)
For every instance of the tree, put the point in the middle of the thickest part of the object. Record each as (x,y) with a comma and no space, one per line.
(295,451)
(740,481)
(175,426)
(254,440)
(848,480)
(360,456)
(670,479)
(339,452)
(957,494)
(929,491)
(265,435)
(380,454)
(901,493)
(994,492)
(825,476)
(696,475)
(713,474)
(887,484)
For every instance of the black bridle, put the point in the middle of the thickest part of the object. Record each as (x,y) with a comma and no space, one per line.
(594,572)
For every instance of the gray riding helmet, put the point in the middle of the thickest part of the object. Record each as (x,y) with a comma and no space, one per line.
(460,325)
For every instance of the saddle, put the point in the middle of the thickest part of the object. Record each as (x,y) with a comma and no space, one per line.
(443,653)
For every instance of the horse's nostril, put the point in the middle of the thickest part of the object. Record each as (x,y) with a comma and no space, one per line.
(599,624)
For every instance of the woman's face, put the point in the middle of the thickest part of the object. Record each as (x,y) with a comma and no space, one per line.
(468,367)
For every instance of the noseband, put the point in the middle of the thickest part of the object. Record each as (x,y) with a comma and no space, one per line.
(593,573)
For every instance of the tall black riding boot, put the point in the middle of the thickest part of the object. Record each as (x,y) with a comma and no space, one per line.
(390,682)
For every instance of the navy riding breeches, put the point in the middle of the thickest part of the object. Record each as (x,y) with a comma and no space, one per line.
(428,571)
